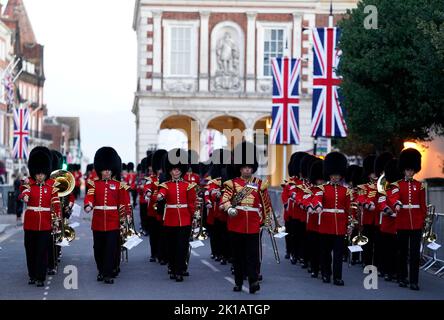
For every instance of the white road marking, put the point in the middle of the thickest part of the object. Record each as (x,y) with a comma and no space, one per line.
(209,265)
(47,288)
(194,253)
(231,280)
(46,293)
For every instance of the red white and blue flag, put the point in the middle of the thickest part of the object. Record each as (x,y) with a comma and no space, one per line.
(21,132)
(327,116)
(285,112)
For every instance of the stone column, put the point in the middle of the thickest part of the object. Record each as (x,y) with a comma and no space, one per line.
(204,57)
(251,52)
(157,50)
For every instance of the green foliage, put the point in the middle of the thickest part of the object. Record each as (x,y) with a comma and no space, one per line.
(393,76)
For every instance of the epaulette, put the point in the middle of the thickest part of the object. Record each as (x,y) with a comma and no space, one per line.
(156,183)
(264,185)
(163,185)
(191,186)
(372,194)
(91,183)
(423,185)
(396,184)
(349,191)
(228,184)
(362,186)
(321,186)
(124,186)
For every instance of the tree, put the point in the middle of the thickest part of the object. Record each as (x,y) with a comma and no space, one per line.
(393,76)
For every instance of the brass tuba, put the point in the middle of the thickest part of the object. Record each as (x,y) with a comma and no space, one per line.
(64,184)
(428,235)
(382,184)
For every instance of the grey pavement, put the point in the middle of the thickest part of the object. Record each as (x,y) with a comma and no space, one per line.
(144,280)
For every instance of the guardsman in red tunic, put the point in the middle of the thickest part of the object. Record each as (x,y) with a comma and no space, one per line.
(213,197)
(313,246)
(354,180)
(109,201)
(386,205)
(179,197)
(289,188)
(155,211)
(246,201)
(42,202)
(410,205)
(78,178)
(90,175)
(131,179)
(141,182)
(333,207)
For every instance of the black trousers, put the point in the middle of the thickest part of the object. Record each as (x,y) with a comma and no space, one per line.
(76,192)
(153,228)
(245,256)
(294,225)
(178,245)
(389,247)
(368,249)
(36,247)
(378,249)
(134,195)
(409,242)
(106,244)
(210,229)
(144,216)
(221,245)
(53,252)
(162,247)
(331,243)
(299,245)
(288,240)
(313,251)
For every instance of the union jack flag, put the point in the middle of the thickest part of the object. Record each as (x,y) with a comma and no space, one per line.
(21,132)
(327,116)
(285,112)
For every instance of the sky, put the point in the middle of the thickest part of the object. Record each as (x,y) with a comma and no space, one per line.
(90,67)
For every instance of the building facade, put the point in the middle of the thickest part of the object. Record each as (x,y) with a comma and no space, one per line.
(206,65)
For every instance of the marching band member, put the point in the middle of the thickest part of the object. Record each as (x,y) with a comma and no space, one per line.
(389,256)
(109,201)
(380,164)
(78,180)
(180,199)
(287,186)
(141,182)
(332,203)
(355,180)
(313,247)
(192,175)
(367,200)
(42,201)
(411,209)
(131,179)
(246,201)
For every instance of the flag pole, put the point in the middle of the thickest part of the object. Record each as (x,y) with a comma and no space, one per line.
(285,146)
(330,25)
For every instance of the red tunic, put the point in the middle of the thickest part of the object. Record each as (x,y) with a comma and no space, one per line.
(110,200)
(250,210)
(130,180)
(388,222)
(312,201)
(287,188)
(150,190)
(411,196)
(180,199)
(43,200)
(215,212)
(191,177)
(367,195)
(336,200)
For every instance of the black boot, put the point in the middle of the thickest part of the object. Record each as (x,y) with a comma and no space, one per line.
(254,287)
(237,288)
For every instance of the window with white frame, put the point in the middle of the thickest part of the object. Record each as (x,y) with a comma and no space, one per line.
(274,46)
(180,55)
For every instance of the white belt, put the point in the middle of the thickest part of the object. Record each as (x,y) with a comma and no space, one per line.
(105,208)
(245,208)
(333,210)
(176,206)
(38,209)
(410,206)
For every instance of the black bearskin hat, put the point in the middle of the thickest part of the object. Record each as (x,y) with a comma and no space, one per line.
(40,162)
(391,171)
(57,160)
(357,176)
(142,166)
(410,159)
(316,171)
(149,161)
(381,161)
(90,167)
(369,165)
(244,154)
(149,152)
(176,158)
(294,166)
(124,167)
(335,163)
(193,161)
(220,159)
(130,166)
(350,171)
(305,165)
(106,158)
(42,149)
(157,160)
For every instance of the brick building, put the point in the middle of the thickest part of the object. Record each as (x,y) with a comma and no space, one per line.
(209,63)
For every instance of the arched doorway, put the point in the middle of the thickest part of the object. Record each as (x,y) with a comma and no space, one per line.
(232,129)
(178,131)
